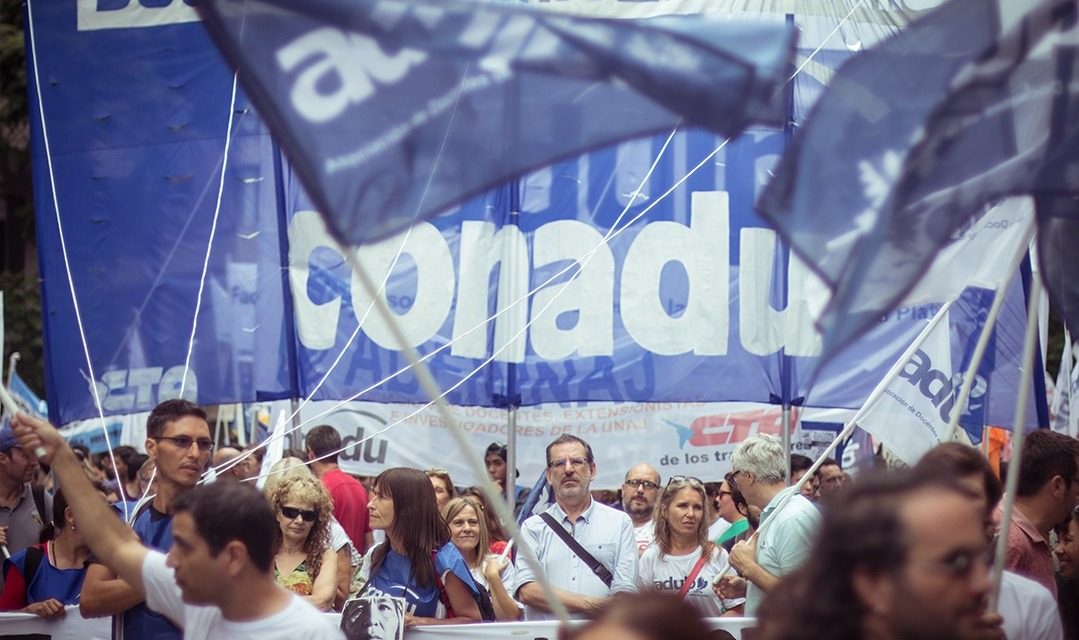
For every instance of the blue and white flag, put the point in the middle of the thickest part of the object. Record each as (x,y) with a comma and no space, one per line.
(932,110)
(392,111)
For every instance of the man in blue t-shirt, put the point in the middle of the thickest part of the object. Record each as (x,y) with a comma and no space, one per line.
(178,442)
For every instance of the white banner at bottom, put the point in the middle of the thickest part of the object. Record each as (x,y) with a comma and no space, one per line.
(74,627)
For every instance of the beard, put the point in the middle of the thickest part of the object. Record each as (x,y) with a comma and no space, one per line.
(637,510)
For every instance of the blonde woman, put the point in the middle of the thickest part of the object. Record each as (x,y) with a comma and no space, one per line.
(468,532)
(304,561)
(682,560)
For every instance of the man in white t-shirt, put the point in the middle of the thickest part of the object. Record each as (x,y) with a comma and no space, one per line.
(639,493)
(216,581)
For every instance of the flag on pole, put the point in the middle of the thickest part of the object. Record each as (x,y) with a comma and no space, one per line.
(1065,414)
(912,415)
(275,449)
(939,121)
(391,111)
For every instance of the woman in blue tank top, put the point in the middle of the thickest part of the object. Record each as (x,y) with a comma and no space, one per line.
(417,562)
(43,578)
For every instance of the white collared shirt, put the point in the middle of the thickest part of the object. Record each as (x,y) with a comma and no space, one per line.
(604,532)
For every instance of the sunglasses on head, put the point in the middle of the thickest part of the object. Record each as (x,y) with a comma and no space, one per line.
(292,512)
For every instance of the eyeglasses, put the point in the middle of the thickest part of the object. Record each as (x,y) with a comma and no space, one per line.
(576,463)
(685,479)
(292,512)
(962,563)
(637,484)
(185,442)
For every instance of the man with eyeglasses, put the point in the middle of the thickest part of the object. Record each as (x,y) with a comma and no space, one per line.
(639,492)
(602,533)
(217,579)
(905,558)
(179,445)
(1047,493)
(789,522)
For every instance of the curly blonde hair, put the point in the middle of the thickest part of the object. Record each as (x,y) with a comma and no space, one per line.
(307,488)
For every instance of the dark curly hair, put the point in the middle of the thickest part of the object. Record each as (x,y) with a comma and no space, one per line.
(866,534)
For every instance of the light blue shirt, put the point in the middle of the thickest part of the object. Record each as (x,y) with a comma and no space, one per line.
(785,540)
(604,532)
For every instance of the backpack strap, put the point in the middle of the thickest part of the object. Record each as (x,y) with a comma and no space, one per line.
(34,556)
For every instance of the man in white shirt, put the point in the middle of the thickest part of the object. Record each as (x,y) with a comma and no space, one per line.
(216,581)
(789,522)
(639,492)
(605,533)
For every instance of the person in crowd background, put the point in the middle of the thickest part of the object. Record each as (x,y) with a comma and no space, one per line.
(349,497)
(304,561)
(216,580)
(1067,551)
(496,574)
(1047,493)
(717,524)
(682,560)
(443,486)
(607,534)
(131,484)
(903,559)
(1028,609)
(729,511)
(639,492)
(830,479)
(348,560)
(178,442)
(760,470)
(23,508)
(417,561)
(495,531)
(495,459)
(43,578)
(799,466)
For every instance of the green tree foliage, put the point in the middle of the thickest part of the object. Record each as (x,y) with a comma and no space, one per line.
(18,268)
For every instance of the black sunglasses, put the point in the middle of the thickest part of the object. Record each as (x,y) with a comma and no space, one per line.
(185,442)
(292,512)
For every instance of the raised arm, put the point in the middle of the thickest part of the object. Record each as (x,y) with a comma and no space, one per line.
(105,594)
(114,544)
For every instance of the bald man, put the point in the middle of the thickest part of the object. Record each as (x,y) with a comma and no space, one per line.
(235,472)
(639,492)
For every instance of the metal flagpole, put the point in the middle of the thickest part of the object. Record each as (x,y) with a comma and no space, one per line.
(1018,429)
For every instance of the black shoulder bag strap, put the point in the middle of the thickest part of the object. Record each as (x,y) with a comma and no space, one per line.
(602,572)
(38,492)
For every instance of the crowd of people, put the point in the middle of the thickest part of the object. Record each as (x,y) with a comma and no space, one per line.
(890,554)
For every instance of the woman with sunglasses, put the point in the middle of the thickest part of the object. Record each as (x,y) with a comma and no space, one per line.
(682,559)
(304,561)
(417,561)
(468,532)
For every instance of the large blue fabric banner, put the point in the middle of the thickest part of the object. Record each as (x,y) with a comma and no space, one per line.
(680,297)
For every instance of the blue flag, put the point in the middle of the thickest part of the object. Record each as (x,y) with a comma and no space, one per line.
(1010,128)
(833,184)
(391,111)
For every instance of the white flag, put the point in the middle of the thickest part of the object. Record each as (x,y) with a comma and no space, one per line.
(909,417)
(275,448)
(1065,415)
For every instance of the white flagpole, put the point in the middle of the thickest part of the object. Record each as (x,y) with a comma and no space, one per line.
(875,395)
(1017,439)
(430,387)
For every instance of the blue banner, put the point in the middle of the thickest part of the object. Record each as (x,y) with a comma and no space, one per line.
(680,297)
